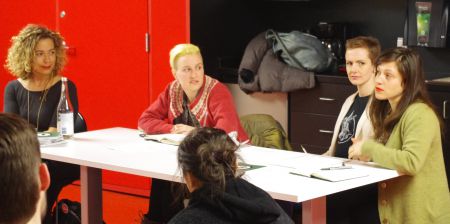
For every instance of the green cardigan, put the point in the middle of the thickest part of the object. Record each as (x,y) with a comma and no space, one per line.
(414,149)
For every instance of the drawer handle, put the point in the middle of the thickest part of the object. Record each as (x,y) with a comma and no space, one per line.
(444,109)
(325,131)
(326,99)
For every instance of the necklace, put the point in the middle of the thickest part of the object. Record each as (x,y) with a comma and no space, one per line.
(42,99)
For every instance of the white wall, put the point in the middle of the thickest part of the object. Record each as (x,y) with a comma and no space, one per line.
(274,104)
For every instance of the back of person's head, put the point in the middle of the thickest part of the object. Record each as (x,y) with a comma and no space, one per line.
(20,160)
(409,65)
(180,50)
(209,155)
(367,42)
(21,53)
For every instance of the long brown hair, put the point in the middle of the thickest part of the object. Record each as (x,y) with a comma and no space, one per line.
(409,66)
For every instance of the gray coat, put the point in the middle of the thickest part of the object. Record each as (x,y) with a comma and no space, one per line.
(261,70)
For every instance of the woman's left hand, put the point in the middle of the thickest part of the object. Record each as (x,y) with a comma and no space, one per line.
(181,129)
(52,129)
(354,152)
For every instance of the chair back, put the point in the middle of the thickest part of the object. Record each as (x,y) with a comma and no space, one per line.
(80,124)
(263,130)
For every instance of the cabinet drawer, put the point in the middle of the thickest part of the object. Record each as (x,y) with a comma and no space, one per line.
(326,98)
(442,102)
(311,129)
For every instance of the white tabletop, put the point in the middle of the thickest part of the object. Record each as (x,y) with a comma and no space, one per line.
(276,179)
(117,149)
(122,150)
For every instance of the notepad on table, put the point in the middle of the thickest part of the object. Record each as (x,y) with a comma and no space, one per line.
(171,139)
(332,175)
(49,138)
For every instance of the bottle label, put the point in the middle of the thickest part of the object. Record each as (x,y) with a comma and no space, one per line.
(65,122)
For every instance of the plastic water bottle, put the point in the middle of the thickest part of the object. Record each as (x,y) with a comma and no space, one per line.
(65,112)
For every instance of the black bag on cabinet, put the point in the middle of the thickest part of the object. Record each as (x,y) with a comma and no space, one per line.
(301,50)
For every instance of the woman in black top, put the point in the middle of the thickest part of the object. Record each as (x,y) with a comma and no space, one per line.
(208,162)
(36,57)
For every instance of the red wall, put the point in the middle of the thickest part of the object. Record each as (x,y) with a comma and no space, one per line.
(169,25)
(108,62)
(14,15)
(116,79)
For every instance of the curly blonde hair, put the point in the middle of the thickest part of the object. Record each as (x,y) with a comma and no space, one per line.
(21,52)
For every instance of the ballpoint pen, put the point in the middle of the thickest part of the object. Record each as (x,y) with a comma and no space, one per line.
(336,168)
(304,150)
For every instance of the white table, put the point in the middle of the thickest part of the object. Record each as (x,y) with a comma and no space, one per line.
(122,150)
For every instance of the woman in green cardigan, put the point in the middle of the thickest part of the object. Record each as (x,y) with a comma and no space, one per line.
(407,139)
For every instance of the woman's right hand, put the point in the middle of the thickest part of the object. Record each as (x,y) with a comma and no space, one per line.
(181,129)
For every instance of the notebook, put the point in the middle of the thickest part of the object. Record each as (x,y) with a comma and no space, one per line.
(49,138)
(333,175)
(171,139)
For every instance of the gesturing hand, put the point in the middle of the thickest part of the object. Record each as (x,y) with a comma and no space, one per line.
(354,152)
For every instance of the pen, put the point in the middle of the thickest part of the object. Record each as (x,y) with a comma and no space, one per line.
(336,168)
(304,150)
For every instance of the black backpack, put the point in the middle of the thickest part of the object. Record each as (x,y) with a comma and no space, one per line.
(67,212)
(301,50)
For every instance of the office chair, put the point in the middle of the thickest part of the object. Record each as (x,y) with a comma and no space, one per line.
(79,123)
(263,130)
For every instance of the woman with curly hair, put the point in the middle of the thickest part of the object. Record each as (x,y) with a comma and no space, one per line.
(37,57)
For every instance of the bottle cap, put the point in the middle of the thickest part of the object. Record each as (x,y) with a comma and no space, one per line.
(399,41)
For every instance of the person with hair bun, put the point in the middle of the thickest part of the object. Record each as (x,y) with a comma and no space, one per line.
(207,159)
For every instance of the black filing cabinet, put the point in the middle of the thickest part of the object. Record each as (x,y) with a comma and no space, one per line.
(313,112)
(440,95)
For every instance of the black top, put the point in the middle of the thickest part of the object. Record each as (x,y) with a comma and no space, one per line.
(348,126)
(242,202)
(16,101)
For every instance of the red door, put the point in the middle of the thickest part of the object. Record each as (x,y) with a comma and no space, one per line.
(108,60)
(109,64)
(14,15)
(115,76)
(169,25)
